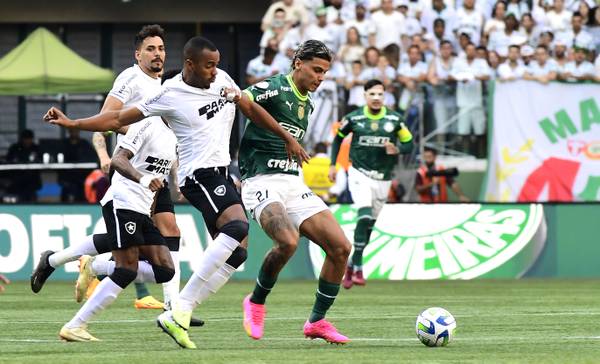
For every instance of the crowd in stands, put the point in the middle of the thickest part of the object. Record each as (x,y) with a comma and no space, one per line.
(435,57)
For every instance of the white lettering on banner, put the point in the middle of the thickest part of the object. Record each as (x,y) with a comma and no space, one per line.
(446,241)
(18,240)
(190,250)
(77,227)
(43,235)
(421,253)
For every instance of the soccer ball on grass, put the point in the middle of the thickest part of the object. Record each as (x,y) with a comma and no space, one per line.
(435,327)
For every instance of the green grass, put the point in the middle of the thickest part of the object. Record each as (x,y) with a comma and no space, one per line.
(541,321)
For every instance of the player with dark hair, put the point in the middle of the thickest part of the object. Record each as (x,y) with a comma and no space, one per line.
(378,136)
(197,106)
(278,199)
(132,86)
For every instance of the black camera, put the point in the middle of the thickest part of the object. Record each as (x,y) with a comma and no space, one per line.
(450,172)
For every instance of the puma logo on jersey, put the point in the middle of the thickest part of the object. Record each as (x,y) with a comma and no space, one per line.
(212,109)
(289,104)
(130,227)
(157,165)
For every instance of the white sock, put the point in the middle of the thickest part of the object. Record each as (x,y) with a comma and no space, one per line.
(214,258)
(105,294)
(216,281)
(103,266)
(171,288)
(145,273)
(73,252)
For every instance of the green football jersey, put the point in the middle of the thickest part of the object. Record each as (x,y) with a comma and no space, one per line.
(261,151)
(370,133)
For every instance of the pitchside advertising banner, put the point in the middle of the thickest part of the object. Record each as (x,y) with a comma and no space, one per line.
(545,143)
(409,241)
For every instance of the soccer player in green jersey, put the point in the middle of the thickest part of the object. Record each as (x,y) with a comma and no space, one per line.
(278,199)
(379,135)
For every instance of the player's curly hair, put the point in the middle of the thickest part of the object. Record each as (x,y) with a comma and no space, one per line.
(311,49)
(153,30)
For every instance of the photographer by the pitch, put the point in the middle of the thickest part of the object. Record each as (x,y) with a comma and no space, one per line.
(433,181)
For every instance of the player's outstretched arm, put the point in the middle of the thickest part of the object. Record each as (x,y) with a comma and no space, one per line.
(262,118)
(120,162)
(109,120)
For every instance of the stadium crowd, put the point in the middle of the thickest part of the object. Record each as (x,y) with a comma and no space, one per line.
(435,57)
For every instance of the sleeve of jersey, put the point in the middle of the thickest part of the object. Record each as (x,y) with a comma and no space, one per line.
(122,89)
(134,139)
(345,128)
(258,93)
(404,135)
(157,105)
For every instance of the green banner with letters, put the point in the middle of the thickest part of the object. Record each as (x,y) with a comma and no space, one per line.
(409,241)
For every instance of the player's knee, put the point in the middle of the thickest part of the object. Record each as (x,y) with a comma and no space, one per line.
(237,229)
(123,276)
(341,250)
(288,246)
(237,257)
(173,243)
(162,274)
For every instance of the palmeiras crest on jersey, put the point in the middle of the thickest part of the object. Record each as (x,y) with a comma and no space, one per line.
(130,227)
(220,190)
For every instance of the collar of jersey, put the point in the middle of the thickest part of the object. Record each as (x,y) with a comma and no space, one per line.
(294,88)
(139,70)
(377,116)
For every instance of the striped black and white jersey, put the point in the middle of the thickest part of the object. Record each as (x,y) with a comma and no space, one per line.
(153,145)
(200,118)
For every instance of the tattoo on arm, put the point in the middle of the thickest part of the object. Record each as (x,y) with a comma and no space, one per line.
(99,143)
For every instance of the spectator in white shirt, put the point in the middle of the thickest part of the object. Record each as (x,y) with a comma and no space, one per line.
(560,54)
(543,68)
(389,24)
(579,69)
(261,67)
(513,69)
(276,29)
(328,33)
(365,26)
(411,76)
(440,77)
(559,19)
(354,85)
(438,10)
(597,66)
(501,40)
(493,61)
(468,17)
(529,30)
(577,36)
(412,25)
(469,74)
(294,13)
(352,50)
(517,7)
(496,22)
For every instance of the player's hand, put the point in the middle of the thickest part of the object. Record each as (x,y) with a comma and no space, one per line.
(105,164)
(178,195)
(391,149)
(332,173)
(151,182)
(4,280)
(294,149)
(233,95)
(57,117)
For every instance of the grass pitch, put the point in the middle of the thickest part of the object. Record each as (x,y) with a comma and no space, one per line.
(543,321)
